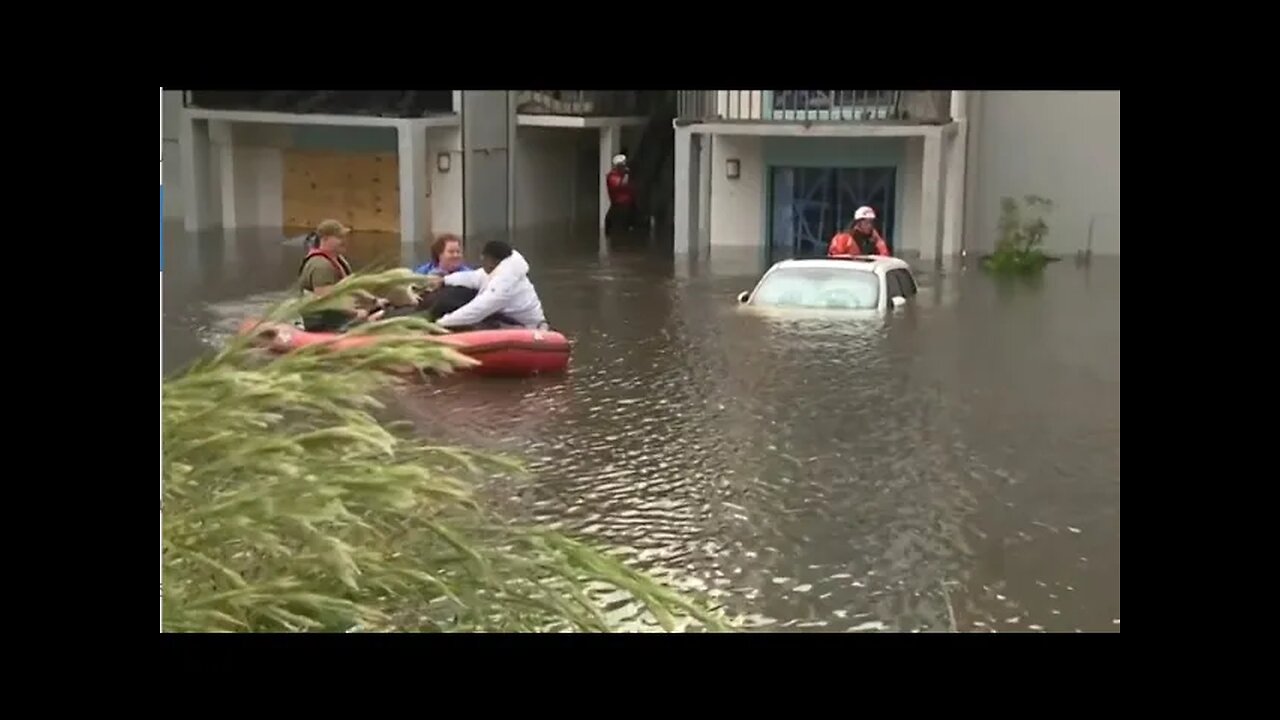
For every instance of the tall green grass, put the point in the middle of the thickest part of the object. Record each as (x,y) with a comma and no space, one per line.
(290,506)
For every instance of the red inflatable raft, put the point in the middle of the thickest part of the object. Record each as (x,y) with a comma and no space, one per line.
(511,351)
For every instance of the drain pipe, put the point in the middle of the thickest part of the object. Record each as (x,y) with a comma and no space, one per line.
(1086,256)
(961,110)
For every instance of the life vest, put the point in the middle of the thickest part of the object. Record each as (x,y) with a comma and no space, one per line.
(339,263)
(619,193)
(842,245)
(848,244)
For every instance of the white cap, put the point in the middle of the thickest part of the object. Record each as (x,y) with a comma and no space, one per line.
(619,159)
(864,213)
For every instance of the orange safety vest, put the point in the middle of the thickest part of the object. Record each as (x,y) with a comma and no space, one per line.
(338,262)
(845,245)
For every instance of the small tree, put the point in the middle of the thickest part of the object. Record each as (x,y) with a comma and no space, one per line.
(1022,233)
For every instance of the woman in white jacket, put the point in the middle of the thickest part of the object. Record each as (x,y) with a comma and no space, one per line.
(504,296)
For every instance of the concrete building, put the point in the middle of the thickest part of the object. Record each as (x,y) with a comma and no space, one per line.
(779,171)
(472,163)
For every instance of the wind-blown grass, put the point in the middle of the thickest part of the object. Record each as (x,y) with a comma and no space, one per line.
(289,506)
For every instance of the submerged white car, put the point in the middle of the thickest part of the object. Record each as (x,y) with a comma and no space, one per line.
(865,282)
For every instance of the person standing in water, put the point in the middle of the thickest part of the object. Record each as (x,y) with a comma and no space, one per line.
(621,215)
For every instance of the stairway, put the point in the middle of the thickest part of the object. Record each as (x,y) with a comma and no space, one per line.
(653,159)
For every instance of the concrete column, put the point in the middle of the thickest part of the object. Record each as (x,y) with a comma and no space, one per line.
(413,181)
(959,105)
(930,196)
(953,204)
(973,236)
(610,144)
(684,189)
(193,144)
(223,145)
(704,190)
(512,133)
(907,230)
(487,119)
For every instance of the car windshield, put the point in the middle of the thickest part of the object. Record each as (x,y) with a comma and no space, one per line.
(819,287)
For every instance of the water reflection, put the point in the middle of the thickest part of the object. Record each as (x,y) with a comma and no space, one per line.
(955,465)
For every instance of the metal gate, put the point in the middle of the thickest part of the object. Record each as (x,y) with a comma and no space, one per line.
(810,205)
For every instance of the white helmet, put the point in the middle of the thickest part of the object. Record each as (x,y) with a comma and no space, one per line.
(864,213)
(619,159)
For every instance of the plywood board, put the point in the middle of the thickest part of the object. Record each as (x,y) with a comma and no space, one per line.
(360,189)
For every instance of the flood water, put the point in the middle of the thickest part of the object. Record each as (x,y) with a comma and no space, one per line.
(953,466)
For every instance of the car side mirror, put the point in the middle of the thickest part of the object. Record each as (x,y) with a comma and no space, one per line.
(743,297)
(899,301)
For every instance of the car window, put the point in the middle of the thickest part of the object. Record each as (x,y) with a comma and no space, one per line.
(837,288)
(908,282)
(893,285)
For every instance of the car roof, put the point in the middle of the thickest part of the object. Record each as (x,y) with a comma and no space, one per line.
(864,263)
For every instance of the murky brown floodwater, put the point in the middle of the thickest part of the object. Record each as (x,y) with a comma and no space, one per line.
(956,465)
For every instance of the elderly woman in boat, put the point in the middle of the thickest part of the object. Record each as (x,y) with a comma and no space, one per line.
(446,257)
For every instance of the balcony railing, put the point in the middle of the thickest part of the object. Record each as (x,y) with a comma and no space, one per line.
(598,103)
(831,106)
(381,103)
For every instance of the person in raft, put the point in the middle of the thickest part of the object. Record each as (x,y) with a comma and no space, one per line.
(436,300)
(324,267)
(446,257)
(504,295)
(861,238)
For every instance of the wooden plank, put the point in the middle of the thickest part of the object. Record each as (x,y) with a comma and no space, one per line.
(360,189)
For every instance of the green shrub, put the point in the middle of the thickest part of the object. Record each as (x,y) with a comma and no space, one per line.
(288,505)
(1018,249)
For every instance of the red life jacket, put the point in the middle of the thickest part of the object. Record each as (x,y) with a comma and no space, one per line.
(842,245)
(339,263)
(619,192)
(846,245)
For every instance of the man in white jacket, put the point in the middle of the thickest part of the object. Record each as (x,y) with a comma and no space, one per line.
(504,292)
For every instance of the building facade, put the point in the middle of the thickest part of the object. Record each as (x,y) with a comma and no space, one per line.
(417,164)
(774,172)
(778,172)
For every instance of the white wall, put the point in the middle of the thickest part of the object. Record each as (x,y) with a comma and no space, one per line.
(1058,144)
(446,187)
(250,161)
(737,215)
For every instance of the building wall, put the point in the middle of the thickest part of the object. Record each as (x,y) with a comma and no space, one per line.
(446,187)
(739,208)
(255,158)
(1061,145)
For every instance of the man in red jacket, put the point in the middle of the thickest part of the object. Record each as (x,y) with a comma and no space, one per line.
(861,239)
(622,200)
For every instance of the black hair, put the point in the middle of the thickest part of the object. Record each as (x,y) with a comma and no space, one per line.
(312,241)
(496,250)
